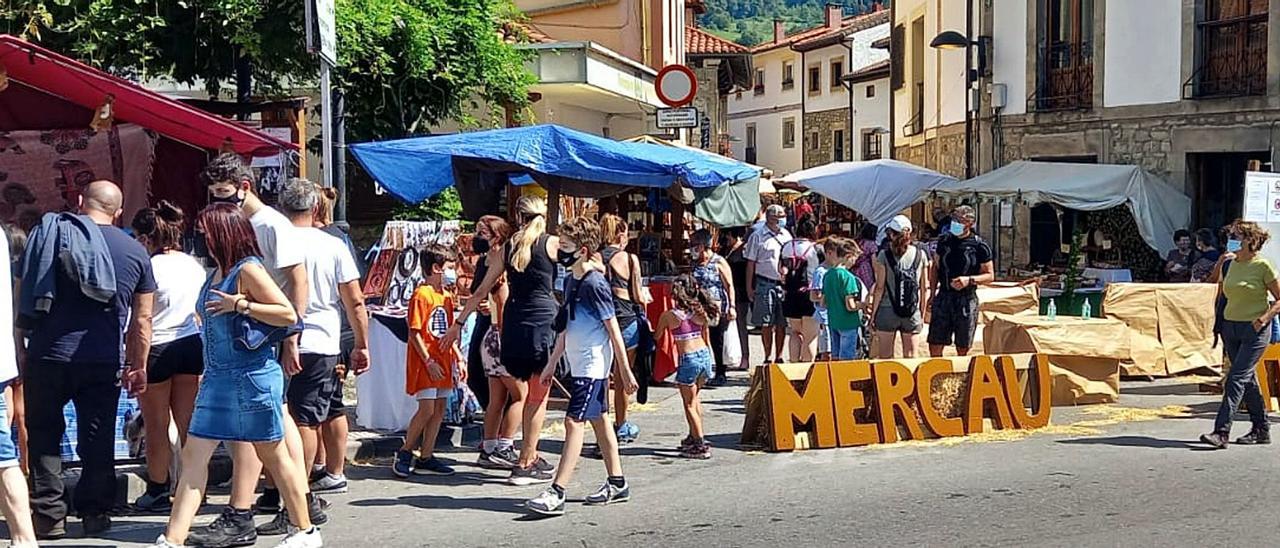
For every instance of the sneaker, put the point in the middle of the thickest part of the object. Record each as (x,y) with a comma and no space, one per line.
(628,432)
(543,465)
(718,381)
(1215,440)
(281,525)
(232,528)
(549,503)
(686,443)
(608,494)
(529,476)
(268,502)
(592,452)
(1255,437)
(95,525)
(162,542)
(700,451)
(302,539)
(431,467)
(505,457)
(154,502)
(49,530)
(403,466)
(329,483)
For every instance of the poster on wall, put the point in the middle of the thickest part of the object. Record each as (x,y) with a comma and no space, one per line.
(1262,205)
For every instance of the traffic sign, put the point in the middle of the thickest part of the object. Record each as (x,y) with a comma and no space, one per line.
(676,85)
(672,118)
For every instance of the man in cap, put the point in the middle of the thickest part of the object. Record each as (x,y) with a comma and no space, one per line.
(764,281)
(964,262)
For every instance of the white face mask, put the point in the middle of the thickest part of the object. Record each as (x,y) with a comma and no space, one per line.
(449,276)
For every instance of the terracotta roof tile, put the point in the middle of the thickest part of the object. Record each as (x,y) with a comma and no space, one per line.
(523,32)
(700,42)
(848,24)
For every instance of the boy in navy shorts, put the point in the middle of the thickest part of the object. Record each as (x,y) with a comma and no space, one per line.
(590,340)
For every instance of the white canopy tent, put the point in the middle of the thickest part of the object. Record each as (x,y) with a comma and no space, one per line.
(1158,209)
(876,189)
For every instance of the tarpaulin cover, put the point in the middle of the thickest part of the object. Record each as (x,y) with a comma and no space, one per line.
(733,204)
(1084,353)
(1170,326)
(88,87)
(418,168)
(876,189)
(1158,208)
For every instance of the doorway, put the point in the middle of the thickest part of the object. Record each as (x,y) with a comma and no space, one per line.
(1217,185)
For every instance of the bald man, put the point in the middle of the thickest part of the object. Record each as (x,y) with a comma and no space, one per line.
(76,353)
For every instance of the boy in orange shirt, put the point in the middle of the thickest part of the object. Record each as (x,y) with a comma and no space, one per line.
(429,367)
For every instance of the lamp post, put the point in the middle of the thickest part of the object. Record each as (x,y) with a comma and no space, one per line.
(952,40)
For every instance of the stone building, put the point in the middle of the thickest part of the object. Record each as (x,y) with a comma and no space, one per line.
(929,85)
(830,116)
(721,66)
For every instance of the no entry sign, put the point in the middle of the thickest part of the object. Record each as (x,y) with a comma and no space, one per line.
(676,85)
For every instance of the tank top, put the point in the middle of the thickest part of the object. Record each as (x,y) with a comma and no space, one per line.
(482,269)
(534,286)
(708,278)
(625,310)
(686,330)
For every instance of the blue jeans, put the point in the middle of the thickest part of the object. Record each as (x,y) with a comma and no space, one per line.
(844,344)
(1244,348)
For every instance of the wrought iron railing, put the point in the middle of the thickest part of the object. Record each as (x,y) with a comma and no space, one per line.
(915,125)
(1232,58)
(1064,78)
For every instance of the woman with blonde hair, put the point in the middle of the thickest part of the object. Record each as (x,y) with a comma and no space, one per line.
(1245,325)
(529,262)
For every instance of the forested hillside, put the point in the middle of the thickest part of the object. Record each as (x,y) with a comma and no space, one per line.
(750,22)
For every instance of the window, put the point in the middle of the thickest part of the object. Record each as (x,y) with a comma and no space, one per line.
(915,124)
(815,141)
(789,133)
(837,72)
(871,91)
(788,75)
(751,144)
(1231,56)
(815,79)
(1065,62)
(837,144)
(759,82)
(871,145)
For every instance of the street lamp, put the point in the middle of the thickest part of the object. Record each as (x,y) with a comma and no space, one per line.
(952,40)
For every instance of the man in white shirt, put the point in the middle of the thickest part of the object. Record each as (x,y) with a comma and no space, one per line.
(764,281)
(333,287)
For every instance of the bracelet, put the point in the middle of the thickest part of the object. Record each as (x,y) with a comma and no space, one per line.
(246,306)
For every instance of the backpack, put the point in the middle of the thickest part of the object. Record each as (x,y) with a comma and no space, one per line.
(904,291)
(795,282)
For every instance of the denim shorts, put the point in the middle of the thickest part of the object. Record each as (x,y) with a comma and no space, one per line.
(8,450)
(240,404)
(694,366)
(631,335)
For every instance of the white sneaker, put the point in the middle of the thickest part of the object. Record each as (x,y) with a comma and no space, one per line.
(302,539)
(549,503)
(163,542)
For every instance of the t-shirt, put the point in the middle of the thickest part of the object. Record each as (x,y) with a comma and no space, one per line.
(329,264)
(1245,287)
(430,314)
(589,303)
(8,351)
(837,284)
(765,248)
(78,329)
(274,233)
(179,279)
(803,249)
(961,257)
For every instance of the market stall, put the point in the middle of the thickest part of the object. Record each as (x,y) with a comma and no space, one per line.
(876,189)
(1170,326)
(1084,353)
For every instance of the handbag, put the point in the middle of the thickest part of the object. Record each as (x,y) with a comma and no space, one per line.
(253,335)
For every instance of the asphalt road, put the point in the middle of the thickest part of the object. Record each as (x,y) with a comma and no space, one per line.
(1130,483)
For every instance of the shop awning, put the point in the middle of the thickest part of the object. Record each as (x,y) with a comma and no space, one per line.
(88,87)
(1158,208)
(876,189)
(571,161)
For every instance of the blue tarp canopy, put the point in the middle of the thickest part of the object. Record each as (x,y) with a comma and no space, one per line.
(573,162)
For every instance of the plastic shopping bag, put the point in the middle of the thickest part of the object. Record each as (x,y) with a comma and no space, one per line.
(732,351)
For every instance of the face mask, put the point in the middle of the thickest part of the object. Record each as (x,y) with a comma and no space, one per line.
(566,258)
(449,276)
(956,228)
(782,223)
(480,245)
(1233,245)
(236,199)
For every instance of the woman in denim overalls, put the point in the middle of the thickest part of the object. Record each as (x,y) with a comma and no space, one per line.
(242,391)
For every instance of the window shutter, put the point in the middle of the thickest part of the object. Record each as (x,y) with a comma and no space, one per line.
(897,52)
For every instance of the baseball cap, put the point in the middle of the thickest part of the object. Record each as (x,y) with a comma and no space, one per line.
(899,224)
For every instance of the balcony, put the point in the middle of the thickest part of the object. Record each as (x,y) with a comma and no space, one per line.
(915,125)
(1065,80)
(1232,60)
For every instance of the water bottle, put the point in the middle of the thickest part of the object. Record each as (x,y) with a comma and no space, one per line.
(1053,310)
(1086,309)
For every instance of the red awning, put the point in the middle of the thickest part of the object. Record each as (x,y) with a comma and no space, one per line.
(88,87)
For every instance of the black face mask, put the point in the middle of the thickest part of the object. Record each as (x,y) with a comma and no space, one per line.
(566,258)
(200,249)
(480,245)
(234,199)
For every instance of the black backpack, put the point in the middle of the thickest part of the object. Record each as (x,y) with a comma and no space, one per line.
(795,276)
(904,293)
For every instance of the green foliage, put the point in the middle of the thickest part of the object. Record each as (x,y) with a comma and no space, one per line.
(750,22)
(445,206)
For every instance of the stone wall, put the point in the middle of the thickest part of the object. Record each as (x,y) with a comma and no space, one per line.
(826,123)
(710,103)
(942,150)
